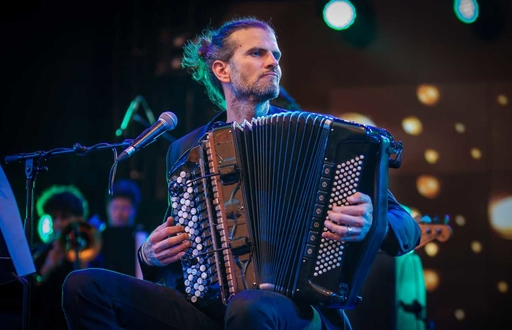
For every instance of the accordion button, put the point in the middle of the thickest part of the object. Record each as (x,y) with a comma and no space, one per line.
(313,237)
(321,197)
(310,252)
(319,210)
(324,184)
(327,170)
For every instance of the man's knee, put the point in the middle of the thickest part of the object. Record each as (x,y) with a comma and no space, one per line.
(82,281)
(253,304)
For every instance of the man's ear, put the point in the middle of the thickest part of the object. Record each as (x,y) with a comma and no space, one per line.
(222,71)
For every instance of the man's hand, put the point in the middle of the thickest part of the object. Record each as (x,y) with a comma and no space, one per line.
(350,223)
(53,260)
(166,244)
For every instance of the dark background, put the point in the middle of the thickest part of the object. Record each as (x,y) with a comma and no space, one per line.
(70,70)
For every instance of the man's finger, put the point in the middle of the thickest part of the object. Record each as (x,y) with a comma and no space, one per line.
(173,254)
(359,198)
(162,233)
(170,259)
(345,219)
(167,223)
(354,210)
(170,242)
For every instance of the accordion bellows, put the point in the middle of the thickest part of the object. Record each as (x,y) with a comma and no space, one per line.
(253,198)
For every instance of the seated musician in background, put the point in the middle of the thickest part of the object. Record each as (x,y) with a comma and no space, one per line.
(66,206)
(123,204)
(239,66)
(122,233)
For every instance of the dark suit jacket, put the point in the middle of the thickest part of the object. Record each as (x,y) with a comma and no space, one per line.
(402,237)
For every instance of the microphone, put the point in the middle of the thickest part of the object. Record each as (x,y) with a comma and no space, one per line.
(166,122)
(132,108)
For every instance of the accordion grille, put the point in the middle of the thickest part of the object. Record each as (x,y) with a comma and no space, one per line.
(281,160)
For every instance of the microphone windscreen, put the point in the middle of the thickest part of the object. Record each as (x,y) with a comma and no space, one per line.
(169,119)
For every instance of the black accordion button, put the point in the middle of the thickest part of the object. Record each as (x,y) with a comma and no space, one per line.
(313,237)
(324,184)
(317,224)
(319,211)
(327,170)
(310,252)
(321,197)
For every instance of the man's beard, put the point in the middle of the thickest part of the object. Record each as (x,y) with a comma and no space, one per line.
(259,91)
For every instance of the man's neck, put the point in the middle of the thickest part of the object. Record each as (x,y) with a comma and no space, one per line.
(238,111)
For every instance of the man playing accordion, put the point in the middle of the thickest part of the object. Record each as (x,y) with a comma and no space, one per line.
(239,66)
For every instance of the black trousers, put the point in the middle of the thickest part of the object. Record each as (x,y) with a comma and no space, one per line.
(102,299)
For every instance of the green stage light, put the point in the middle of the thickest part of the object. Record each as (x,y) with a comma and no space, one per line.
(339,14)
(45,228)
(466,10)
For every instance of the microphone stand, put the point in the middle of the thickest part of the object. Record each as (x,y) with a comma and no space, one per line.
(32,169)
(76,242)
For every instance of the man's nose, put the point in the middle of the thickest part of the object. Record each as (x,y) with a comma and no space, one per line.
(272,62)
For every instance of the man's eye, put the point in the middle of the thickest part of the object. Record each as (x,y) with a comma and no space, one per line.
(256,53)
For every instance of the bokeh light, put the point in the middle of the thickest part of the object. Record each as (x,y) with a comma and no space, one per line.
(502,286)
(476,246)
(428,94)
(431,279)
(476,153)
(459,314)
(460,220)
(460,128)
(358,118)
(412,125)
(466,10)
(339,14)
(179,41)
(502,99)
(428,186)
(431,156)
(176,63)
(431,249)
(500,215)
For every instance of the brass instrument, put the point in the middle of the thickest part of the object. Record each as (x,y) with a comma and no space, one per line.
(80,239)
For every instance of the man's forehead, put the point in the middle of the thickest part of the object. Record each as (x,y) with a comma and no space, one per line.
(254,37)
(121,200)
(61,214)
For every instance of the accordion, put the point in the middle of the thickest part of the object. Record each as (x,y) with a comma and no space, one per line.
(253,198)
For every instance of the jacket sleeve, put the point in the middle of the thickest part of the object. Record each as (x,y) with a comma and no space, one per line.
(403,232)
(167,275)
